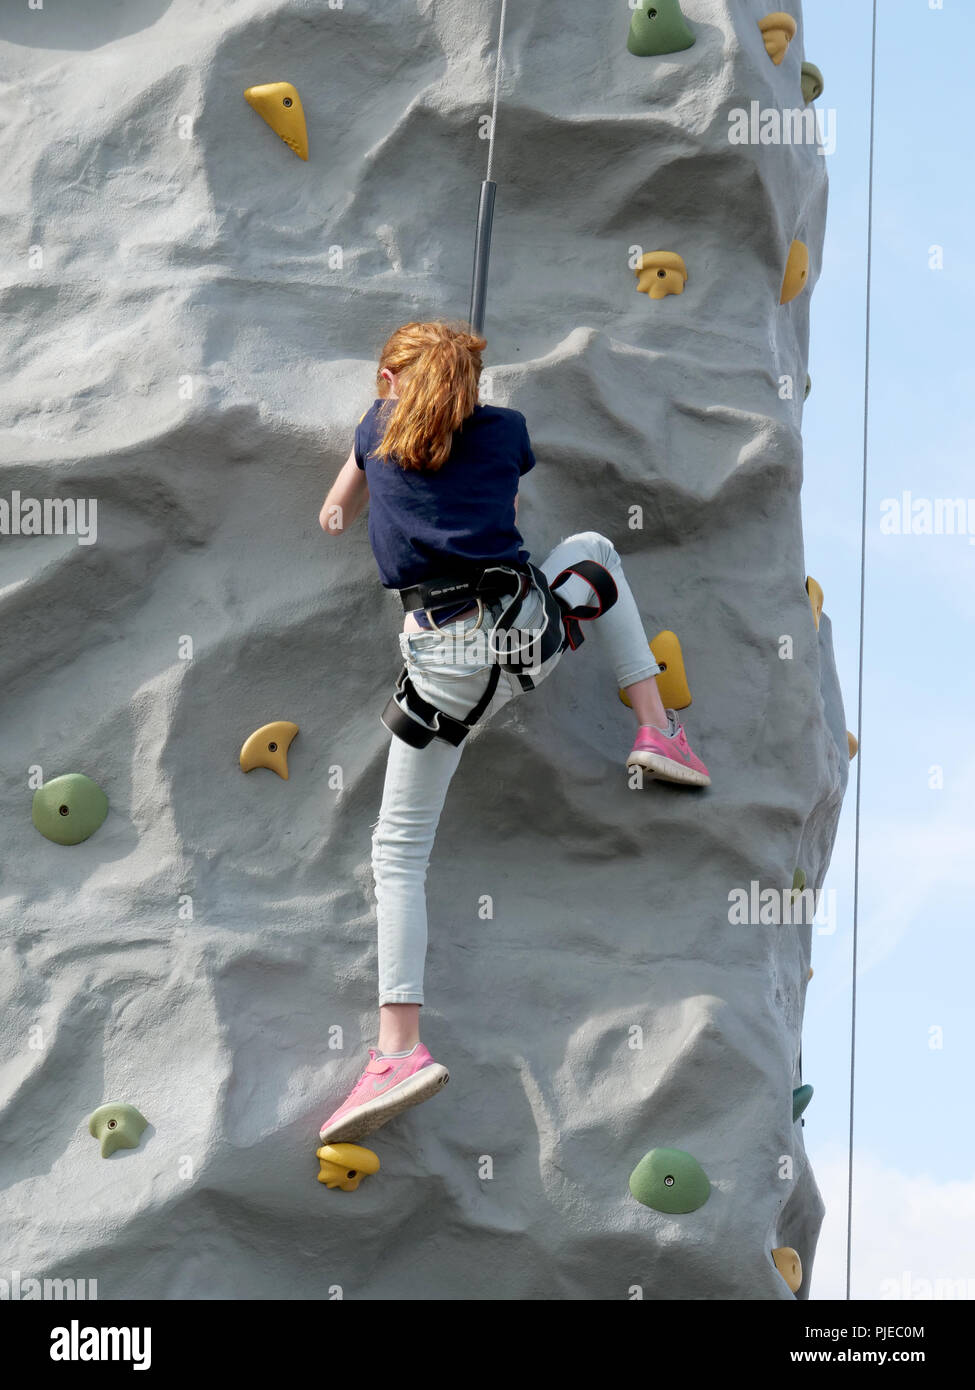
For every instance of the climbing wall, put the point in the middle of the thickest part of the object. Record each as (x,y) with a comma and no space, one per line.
(191,315)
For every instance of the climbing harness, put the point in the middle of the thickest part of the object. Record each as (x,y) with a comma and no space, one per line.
(863,581)
(415,720)
(506,646)
(485,207)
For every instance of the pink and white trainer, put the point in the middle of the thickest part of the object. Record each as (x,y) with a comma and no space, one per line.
(668,756)
(388,1086)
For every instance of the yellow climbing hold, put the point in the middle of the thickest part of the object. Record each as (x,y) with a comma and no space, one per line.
(345,1165)
(672,681)
(280,105)
(815,599)
(796,272)
(660,273)
(854,747)
(789,1265)
(268,747)
(778,31)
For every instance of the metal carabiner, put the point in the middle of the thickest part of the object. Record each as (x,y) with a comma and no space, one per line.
(480,618)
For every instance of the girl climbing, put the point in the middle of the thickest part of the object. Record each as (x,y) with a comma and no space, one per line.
(441,475)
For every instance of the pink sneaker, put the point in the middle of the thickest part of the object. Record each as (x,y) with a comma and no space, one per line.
(668,757)
(388,1086)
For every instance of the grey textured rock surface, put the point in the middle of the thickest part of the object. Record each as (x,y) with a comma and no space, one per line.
(191,345)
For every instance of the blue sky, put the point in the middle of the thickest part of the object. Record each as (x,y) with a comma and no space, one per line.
(914,1178)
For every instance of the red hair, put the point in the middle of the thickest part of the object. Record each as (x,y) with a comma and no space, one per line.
(440,367)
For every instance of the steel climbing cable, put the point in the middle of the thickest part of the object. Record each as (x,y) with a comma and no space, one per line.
(485,206)
(863,590)
(498,66)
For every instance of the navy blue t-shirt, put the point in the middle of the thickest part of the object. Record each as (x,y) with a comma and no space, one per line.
(424,524)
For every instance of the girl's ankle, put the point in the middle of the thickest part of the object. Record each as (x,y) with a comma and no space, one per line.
(403,1050)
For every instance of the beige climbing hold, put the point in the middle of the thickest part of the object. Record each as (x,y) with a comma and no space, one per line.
(117,1126)
(280,105)
(268,747)
(661,273)
(854,747)
(789,1265)
(672,681)
(796,272)
(778,31)
(810,975)
(815,599)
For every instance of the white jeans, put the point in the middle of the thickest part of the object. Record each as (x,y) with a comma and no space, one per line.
(417,778)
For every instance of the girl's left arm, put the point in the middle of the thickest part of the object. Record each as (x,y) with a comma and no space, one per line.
(346,499)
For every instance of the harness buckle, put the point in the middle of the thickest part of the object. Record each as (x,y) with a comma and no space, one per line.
(435,626)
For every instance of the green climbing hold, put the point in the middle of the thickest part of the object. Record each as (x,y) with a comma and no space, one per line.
(798,882)
(658,27)
(670,1180)
(801,1097)
(812,82)
(117,1126)
(70,808)
(805,394)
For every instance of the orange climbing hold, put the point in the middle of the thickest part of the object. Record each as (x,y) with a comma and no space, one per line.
(778,31)
(661,273)
(796,272)
(852,744)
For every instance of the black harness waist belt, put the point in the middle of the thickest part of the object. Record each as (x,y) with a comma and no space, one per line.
(415,720)
(493,581)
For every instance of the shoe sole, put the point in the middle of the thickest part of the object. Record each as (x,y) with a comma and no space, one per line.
(375,1113)
(666,770)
